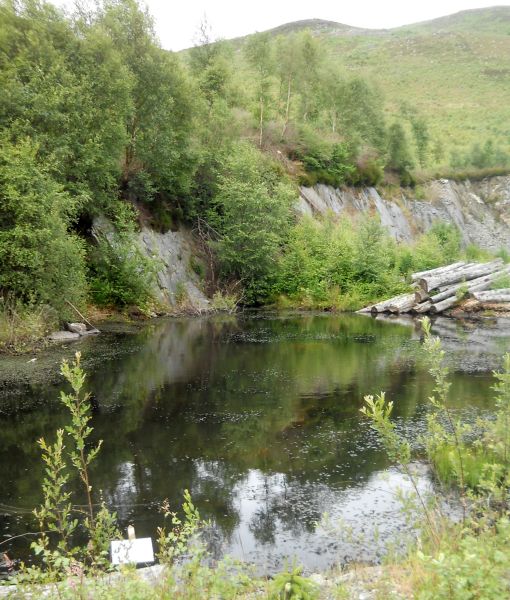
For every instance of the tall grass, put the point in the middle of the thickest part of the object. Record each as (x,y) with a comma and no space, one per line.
(23,327)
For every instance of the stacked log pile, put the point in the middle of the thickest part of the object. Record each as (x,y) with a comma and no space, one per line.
(439,289)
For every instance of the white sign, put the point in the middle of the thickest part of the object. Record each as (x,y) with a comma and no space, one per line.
(132,551)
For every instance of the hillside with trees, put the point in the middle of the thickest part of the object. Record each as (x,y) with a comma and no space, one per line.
(449,73)
(97,120)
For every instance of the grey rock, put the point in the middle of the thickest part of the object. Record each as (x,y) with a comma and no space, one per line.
(176,282)
(80,328)
(174,250)
(481,210)
(89,332)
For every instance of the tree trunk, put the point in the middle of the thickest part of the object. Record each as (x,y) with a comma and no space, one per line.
(439,270)
(445,304)
(423,307)
(287,109)
(457,275)
(479,284)
(385,305)
(420,295)
(403,304)
(493,295)
(261,124)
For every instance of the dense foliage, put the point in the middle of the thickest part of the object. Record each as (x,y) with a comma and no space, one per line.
(343,264)
(40,259)
(97,120)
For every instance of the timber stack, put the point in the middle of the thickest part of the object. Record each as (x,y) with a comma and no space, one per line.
(439,289)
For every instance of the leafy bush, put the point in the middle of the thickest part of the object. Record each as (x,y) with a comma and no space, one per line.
(225,302)
(369,170)
(331,164)
(399,154)
(291,585)
(197,266)
(120,273)
(441,245)
(486,156)
(475,566)
(252,215)
(338,264)
(40,260)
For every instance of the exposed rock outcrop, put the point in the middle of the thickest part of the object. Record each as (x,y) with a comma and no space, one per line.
(480,210)
(177,285)
(176,280)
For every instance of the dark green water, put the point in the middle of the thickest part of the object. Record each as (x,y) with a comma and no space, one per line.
(257,415)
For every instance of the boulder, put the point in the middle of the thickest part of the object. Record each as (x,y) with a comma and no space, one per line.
(80,328)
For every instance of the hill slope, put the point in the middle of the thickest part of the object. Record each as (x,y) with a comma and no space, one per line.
(455,70)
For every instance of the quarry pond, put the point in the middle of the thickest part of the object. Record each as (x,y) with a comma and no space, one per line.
(257,415)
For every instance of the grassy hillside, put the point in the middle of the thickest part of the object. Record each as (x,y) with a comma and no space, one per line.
(454,70)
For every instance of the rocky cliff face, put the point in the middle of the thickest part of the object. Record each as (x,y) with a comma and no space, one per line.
(481,210)
(177,283)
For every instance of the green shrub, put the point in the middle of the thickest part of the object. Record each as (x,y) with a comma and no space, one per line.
(331,165)
(338,264)
(120,274)
(475,566)
(181,296)
(197,266)
(501,283)
(474,464)
(225,302)
(474,253)
(291,585)
(504,255)
(40,260)
(369,172)
(441,245)
(252,215)
(400,158)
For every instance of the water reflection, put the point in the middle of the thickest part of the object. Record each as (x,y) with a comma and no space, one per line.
(258,417)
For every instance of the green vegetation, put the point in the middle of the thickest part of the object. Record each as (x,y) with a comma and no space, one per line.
(72,570)
(469,559)
(99,125)
(344,264)
(253,211)
(57,517)
(501,283)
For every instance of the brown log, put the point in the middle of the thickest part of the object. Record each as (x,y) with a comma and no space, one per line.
(423,307)
(366,309)
(420,295)
(480,286)
(445,304)
(384,306)
(466,274)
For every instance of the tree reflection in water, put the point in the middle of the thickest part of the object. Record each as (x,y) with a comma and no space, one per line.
(257,416)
